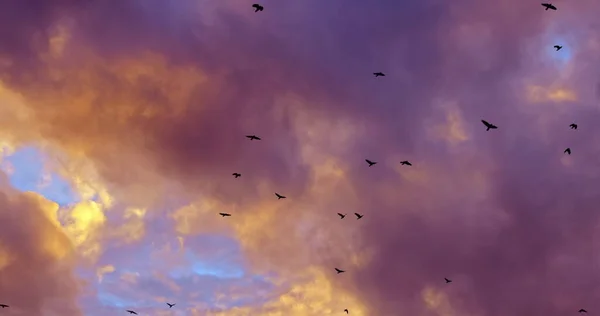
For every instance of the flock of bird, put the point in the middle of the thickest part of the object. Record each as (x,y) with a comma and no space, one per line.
(489,126)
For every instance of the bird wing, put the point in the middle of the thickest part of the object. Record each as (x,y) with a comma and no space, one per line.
(485,122)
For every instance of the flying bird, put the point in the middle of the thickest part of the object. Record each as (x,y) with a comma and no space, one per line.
(224,215)
(370,162)
(170,305)
(567,151)
(279,196)
(558,47)
(346,310)
(4,305)
(379,74)
(132,312)
(448,280)
(339,271)
(236,175)
(358,216)
(257,7)
(342,215)
(573,126)
(252,137)
(405,163)
(549,6)
(582,311)
(488,125)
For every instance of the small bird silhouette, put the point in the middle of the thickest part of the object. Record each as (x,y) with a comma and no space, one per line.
(346,310)
(170,305)
(371,163)
(379,74)
(448,280)
(342,215)
(257,7)
(339,271)
(405,163)
(567,151)
(132,312)
(279,196)
(558,47)
(573,126)
(488,125)
(224,215)
(549,6)
(252,137)
(4,305)
(358,216)
(236,175)
(582,311)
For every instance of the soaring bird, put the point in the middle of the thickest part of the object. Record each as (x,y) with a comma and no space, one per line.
(339,271)
(236,175)
(224,215)
(573,126)
(252,137)
(371,163)
(4,305)
(567,151)
(342,215)
(379,74)
(358,216)
(448,280)
(558,47)
(131,312)
(279,196)
(405,163)
(549,6)
(582,311)
(346,310)
(488,125)
(170,305)
(257,7)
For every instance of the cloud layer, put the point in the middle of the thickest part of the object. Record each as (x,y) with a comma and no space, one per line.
(145,104)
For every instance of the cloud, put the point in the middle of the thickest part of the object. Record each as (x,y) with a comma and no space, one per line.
(37,257)
(157,96)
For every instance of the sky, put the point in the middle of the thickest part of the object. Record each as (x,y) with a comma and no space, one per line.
(121,123)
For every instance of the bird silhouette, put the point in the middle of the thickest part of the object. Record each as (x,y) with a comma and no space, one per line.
(252,137)
(342,215)
(567,151)
(339,271)
(131,312)
(4,305)
(558,47)
(257,7)
(405,163)
(236,175)
(549,6)
(346,310)
(448,280)
(358,216)
(279,196)
(224,214)
(170,305)
(573,126)
(379,74)
(488,125)
(371,163)
(582,311)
